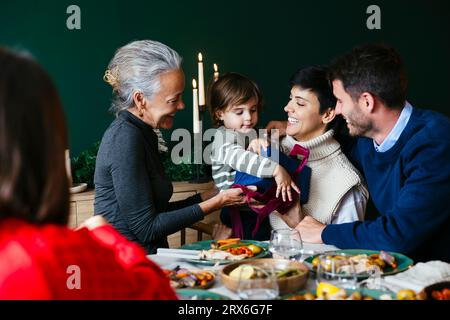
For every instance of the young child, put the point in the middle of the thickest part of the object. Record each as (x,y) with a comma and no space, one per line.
(235,102)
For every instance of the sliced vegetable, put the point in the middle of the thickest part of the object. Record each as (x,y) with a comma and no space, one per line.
(227,241)
(443,294)
(289,273)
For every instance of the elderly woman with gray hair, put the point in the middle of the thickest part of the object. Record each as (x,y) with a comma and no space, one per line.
(131,189)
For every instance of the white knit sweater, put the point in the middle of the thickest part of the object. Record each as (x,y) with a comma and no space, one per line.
(332,177)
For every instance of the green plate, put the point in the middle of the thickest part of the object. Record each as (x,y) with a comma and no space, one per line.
(197,294)
(376,294)
(403,262)
(206,245)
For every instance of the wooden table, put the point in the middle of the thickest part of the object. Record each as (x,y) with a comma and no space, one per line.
(82,208)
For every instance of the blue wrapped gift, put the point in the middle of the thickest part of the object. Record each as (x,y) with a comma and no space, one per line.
(290,163)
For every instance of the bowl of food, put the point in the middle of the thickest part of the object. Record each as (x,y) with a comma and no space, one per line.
(438,291)
(181,278)
(291,275)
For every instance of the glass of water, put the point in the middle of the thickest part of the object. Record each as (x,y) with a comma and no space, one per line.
(338,270)
(262,285)
(286,244)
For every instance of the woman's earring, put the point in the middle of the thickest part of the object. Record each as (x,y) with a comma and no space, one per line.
(141,113)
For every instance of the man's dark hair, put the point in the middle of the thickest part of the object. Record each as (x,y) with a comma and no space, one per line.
(33,178)
(373,68)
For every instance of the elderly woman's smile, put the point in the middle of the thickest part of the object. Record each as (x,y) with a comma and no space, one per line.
(161,109)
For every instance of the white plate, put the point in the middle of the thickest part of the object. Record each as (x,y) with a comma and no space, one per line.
(78,187)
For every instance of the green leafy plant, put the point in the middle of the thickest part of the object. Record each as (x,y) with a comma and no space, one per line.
(183,171)
(83,167)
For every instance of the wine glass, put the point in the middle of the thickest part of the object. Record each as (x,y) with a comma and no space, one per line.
(286,244)
(337,270)
(257,283)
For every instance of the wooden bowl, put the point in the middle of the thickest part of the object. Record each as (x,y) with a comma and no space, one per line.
(285,285)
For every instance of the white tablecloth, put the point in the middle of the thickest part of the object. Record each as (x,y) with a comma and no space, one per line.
(170,263)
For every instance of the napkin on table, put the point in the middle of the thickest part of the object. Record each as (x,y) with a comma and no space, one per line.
(179,253)
(419,276)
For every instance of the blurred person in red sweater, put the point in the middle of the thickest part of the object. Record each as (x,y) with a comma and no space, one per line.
(40,257)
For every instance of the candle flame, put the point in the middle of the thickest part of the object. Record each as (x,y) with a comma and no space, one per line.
(216,68)
(200,57)
(194,84)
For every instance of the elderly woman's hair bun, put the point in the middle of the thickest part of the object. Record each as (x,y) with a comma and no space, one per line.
(137,67)
(112,77)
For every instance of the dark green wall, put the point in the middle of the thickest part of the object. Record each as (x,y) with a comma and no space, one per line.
(266,40)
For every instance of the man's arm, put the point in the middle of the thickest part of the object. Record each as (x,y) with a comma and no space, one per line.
(419,211)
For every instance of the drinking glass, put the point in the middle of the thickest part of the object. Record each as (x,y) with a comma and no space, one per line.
(337,270)
(262,286)
(286,243)
(375,281)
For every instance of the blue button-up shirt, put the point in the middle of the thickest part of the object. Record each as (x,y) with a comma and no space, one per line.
(395,133)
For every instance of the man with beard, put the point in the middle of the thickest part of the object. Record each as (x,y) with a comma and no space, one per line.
(403,153)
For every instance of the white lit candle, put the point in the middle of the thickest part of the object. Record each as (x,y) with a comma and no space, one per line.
(201,81)
(196,117)
(68,167)
(216,72)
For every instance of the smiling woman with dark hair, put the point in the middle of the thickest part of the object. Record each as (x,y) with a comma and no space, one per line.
(39,255)
(337,191)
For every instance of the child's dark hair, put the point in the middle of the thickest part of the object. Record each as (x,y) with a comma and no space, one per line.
(231,89)
(315,78)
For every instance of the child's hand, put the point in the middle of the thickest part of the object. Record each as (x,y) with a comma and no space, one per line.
(284,183)
(256,145)
(277,125)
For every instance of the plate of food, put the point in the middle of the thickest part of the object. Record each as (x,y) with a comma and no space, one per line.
(225,251)
(326,291)
(181,278)
(291,275)
(197,294)
(366,262)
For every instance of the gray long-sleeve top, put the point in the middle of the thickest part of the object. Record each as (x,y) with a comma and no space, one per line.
(131,189)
